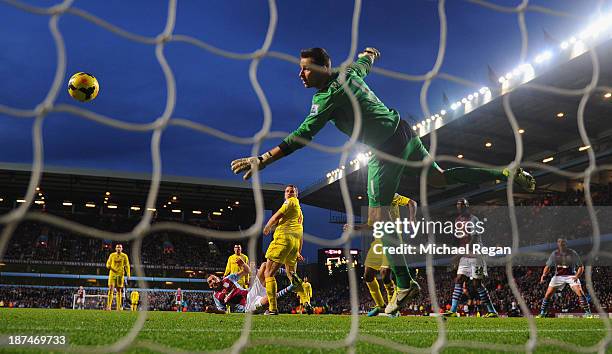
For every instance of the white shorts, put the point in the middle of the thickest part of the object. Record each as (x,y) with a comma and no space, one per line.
(80,300)
(559,281)
(257,292)
(474,268)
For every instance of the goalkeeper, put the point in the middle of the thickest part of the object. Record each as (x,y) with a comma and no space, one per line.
(119,265)
(382,129)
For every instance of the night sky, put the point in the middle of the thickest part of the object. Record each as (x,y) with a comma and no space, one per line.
(216,91)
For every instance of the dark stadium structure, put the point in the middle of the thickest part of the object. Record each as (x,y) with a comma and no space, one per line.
(39,254)
(127,190)
(545,135)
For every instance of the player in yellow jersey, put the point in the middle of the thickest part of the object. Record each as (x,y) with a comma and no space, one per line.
(118,265)
(232,266)
(305,296)
(134,298)
(286,247)
(378,262)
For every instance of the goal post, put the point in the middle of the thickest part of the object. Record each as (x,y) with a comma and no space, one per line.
(90,302)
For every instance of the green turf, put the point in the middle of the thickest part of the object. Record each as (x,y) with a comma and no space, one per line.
(199,331)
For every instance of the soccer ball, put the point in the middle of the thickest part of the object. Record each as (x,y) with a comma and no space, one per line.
(83,87)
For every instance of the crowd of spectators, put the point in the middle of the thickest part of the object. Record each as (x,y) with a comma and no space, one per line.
(19,297)
(33,241)
(164,301)
(543,219)
(46,297)
(335,296)
(551,222)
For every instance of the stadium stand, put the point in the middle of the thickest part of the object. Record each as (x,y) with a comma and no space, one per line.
(171,254)
(333,296)
(49,297)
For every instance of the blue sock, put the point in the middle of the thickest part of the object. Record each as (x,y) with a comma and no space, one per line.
(485,299)
(545,305)
(456,295)
(285,291)
(585,304)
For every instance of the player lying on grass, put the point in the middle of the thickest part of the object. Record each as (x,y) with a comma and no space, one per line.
(377,262)
(381,129)
(227,292)
(568,269)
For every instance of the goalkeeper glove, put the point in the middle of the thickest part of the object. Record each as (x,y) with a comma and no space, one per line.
(373,52)
(249,163)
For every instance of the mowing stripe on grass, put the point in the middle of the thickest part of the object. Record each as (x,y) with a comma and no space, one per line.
(287,330)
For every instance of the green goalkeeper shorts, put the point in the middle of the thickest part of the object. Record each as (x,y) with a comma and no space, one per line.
(384,176)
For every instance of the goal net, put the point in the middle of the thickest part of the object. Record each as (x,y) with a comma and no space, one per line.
(428,126)
(89,302)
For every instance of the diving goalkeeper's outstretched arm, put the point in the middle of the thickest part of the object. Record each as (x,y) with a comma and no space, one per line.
(315,72)
(260,162)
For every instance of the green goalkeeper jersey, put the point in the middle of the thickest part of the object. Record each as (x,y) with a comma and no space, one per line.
(333,104)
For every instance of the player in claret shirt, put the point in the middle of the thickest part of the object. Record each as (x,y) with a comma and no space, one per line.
(568,269)
(178,300)
(80,301)
(472,267)
(227,292)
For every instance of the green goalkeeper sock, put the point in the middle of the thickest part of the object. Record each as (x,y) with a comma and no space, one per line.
(398,263)
(403,278)
(470,175)
(390,288)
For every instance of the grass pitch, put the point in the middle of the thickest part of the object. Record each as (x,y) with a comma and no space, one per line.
(206,332)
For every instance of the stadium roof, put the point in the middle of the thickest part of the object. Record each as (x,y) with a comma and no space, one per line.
(127,189)
(466,132)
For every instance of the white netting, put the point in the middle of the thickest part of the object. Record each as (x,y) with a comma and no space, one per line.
(89,302)
(157,126)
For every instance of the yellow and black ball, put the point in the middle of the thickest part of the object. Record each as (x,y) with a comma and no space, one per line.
(83,87)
